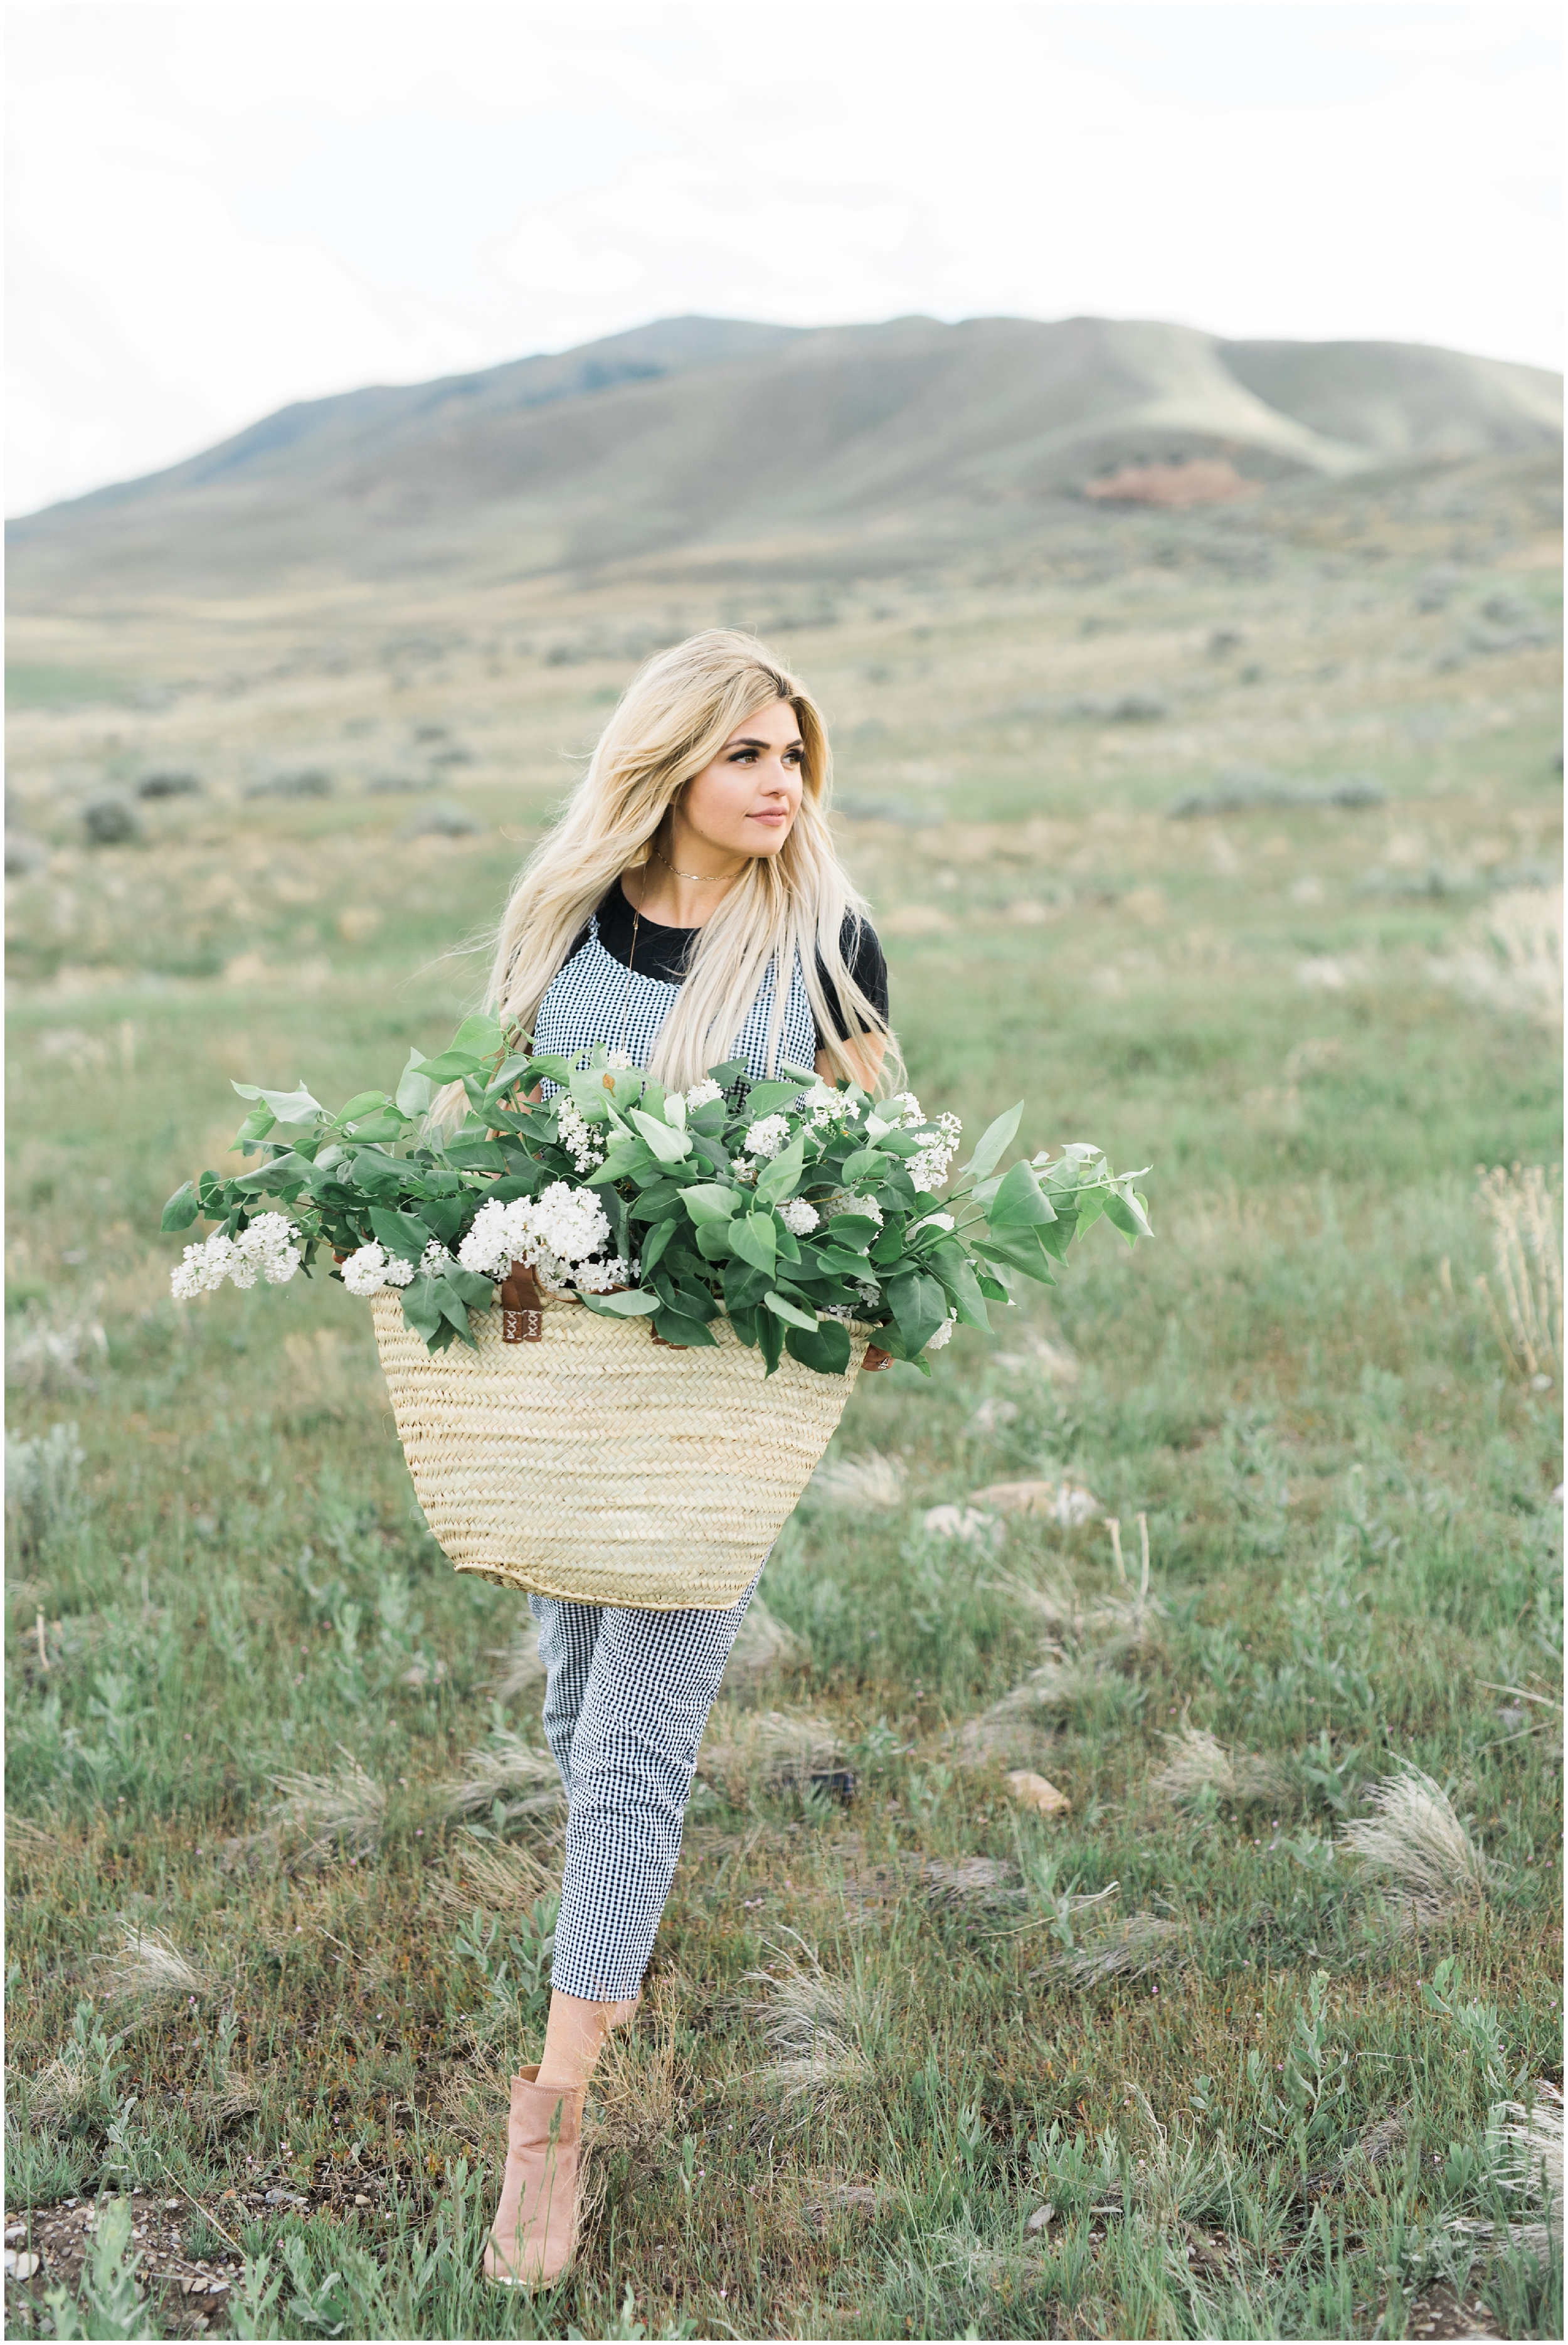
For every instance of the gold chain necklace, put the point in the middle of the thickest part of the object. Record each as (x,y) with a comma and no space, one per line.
(703,879)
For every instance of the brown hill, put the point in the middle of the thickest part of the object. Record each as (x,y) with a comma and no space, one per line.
(708,433)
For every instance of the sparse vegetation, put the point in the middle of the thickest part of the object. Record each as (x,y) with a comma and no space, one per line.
(1257,2034)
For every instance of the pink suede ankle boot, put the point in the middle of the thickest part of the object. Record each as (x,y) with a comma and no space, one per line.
(535,2229)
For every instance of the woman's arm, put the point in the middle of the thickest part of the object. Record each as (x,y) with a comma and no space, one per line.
(864,1052)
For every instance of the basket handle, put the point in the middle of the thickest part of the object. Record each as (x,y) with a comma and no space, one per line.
(521,1307)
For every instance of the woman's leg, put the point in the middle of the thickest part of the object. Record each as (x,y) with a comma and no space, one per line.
(634,1749)
(567,1636)
(625,1734)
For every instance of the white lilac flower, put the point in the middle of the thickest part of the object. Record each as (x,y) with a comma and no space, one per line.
(848,1202)
(928,1170)
(798,1216)
(767,1136)
(582,1142)
(269,1244)
(370,1269)
(204,1267)
(901,1112)
(617,1060)
(704,1093)
(434,1258)
(550,1231)
(602,1278)
(943,1333)
(932,1222)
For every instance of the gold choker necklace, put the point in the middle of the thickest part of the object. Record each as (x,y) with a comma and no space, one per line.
(703,879)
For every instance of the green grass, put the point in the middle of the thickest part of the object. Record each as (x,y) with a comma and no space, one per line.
(1267,2120)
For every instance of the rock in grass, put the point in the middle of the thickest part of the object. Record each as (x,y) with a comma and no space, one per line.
(1041,2219)
(169,782)
(443,822)
(1037,1791)
(111,820)
(1066,1503)
(292,782)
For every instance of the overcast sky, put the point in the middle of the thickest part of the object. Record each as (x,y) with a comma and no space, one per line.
(219,207)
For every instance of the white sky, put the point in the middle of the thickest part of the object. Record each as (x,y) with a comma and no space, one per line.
(222,205)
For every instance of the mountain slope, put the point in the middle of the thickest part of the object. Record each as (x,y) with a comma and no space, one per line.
(706,431)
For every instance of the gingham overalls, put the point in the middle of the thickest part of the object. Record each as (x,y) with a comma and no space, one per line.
(628,1691)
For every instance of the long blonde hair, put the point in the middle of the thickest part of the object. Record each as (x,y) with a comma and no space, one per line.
(671,722)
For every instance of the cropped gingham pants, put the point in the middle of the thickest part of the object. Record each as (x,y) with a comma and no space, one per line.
(627,1700)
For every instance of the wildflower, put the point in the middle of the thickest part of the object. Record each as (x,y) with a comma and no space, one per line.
(798,1216)
(768,1136)
(944,1335)
(371,1268)
(704,1093)
(578,1137)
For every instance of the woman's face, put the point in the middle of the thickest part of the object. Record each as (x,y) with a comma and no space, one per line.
(746,801)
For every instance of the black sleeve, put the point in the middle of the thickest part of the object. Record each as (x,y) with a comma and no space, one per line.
(868,966)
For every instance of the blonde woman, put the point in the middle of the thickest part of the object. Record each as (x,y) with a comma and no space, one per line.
(688,909)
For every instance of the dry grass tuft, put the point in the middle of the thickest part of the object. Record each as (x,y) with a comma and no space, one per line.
(493,1879)
(1198,1764)
(766,1749)
(341,1814)
(817,2027)
(148,1963)
(506,1767)
(1527,1261)
(1010,1729)
(521,1671)
(984,1879)
(871,1482)
(1066,1504)
(1141,1943)
(762,1646)
(1511,955)
(1414,1838)
(1531,2170)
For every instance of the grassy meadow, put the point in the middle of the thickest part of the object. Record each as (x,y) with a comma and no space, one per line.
(1225,2047)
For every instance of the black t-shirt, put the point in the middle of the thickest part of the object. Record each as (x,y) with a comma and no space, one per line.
(665,952)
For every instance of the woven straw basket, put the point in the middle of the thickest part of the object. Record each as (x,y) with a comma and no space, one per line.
(600,1466)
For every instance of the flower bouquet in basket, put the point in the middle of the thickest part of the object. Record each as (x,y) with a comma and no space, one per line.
(794,1208)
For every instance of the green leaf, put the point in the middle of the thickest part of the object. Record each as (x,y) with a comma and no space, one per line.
(415,1089)
(755,1237)
(288,1107)
(670,1147)
(1090,1206)
(482,1034)
(854,1231)
(711,1200)
(992,1143)
(452,1067)
(860,1162)
(182,1208)
(763,1098)
(1020,1202)
(952,1267)
(781,1177)
(1122,1217)
(401,1235)
(1019,1250)
(715,1242)
(676,1329)
(825,1349)
(654,1244)
(770,1339)
(633,1304)
(781,1308)
(745,1287)
(919,1307)
(629,1156)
